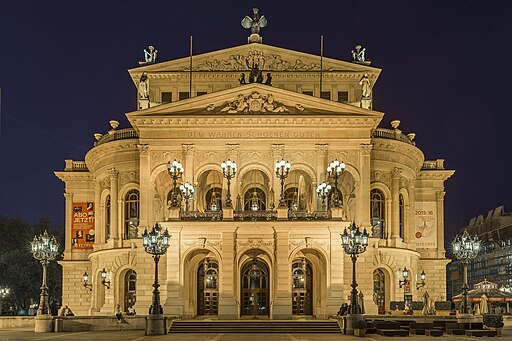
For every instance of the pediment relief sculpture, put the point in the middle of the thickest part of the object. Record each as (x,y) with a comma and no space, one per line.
(253,103)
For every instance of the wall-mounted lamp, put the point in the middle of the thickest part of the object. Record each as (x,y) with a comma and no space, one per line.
(405,275)
(104,280)
(423,276)
(85,278)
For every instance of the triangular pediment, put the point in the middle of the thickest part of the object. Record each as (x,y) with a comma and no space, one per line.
(256,100)
(240,58)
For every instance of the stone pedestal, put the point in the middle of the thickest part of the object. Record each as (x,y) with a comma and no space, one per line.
(255,38)
(469,318)
(366,103)
(282,213)
(43,323)
(174,213)
(156,324)
(228,213)
(349,322)
(337,213)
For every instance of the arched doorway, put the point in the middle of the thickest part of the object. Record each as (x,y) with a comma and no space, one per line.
(379,292)
(255,289)
(302,288)
(208,288)
(130,289)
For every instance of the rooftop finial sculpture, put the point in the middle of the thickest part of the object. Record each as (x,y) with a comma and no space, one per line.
(150,56)
(255,24)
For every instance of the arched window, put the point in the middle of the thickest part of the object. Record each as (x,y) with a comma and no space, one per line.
(377,213)
(255,200)
(131,214)
(107,217)
(213,199)
(291,195)
(401,213)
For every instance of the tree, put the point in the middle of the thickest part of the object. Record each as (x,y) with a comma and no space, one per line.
(19,271)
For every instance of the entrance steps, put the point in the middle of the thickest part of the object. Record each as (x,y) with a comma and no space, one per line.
(256,326)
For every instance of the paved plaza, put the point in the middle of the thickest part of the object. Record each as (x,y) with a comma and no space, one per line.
(28,334)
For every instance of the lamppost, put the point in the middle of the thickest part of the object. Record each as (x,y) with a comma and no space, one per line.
(405,283)
(335,170)
(323,191)
(423,277)
(44,249)
(465,247)
(187,191)
(175,170)
(4,292)
(229,172)
(282,170)
(354,243)
(156,243)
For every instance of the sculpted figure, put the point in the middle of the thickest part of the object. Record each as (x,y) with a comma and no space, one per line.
(366,86)
(150,56)
(144,86)
(358,54)
(254,23)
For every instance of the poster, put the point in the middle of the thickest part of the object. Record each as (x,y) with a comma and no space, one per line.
(82,227)
(425,222)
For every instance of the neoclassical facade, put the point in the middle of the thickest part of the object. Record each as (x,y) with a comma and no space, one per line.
(253,104)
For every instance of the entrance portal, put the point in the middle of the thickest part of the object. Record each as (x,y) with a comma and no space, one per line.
(207,288)
(379,290)
(302,288)
(255,291)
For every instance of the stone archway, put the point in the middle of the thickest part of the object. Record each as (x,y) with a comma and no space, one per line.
(255,288)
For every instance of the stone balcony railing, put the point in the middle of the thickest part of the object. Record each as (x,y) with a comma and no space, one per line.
(433,164)
(293,215)
(121,134)
(393,134)
(75,166)
(255,215)
(201,216)
(305,215)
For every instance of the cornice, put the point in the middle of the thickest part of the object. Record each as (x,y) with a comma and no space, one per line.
(77,176)
(433,174)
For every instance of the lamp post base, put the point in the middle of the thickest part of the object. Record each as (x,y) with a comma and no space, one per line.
(349,323)
(43,323)
(156,324)
(468,318)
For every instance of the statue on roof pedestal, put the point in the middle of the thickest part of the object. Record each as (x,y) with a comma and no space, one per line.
(255,24)
(150,57)
(359,55)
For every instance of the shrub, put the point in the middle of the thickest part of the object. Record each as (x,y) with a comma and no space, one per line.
(493,320)
(360,324)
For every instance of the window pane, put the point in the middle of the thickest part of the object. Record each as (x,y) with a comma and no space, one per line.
(166,97)
(342,96)
(184,95)
(325,95)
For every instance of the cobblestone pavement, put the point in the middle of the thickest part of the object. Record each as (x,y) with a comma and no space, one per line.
(27,334)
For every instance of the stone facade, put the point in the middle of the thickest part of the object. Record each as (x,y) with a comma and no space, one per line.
(297,254)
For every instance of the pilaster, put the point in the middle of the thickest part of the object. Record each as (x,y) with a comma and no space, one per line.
(410,229)
(69,221)
(395,207)
(440,223)
(363,205)
(145,209)
(99,232)
(321,166)
(228,308)
(282,309)
(114,195)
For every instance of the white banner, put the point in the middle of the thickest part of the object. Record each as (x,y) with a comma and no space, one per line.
(425,223)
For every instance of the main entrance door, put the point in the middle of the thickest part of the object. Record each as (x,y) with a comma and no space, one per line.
(255,293)
(302,288)
(207,288)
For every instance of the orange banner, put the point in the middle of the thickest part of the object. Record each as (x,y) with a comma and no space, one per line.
(82,227)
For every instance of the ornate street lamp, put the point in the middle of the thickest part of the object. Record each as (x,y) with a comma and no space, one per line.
(187,191)
(405,283)
(4,292)
(323,191)
(465,247)
(44,249)
(282,170)
(354,243)
(104,280)
(423,277)
(175,170)
(229,172)
(156,243)
(335,170)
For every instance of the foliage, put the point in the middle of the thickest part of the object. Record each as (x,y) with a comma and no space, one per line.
(19,271)
(493,320)
(360,324)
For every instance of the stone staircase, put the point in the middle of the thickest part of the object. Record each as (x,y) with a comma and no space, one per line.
(256,326)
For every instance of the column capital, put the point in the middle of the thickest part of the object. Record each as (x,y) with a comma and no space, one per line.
(321,149)
(277,151)
(440,195)
(395,172)
(68,196)
(366,148)
(143,149)
(232,150)
(188,149)
(114,173)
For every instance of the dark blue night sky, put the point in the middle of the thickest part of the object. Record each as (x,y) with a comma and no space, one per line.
(446,76)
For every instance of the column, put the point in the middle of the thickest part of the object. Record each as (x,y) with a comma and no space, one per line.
(99,232)
(282,309)
(321,169)
(228,307)
(146,218)
(114,211)
(69,222)
(440,223)
(363,199)
(395,207)
(387,226)
(410,227)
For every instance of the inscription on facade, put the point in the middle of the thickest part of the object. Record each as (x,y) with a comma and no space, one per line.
(253,134)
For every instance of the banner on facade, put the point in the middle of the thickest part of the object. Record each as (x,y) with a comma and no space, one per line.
(82,227)
(425,222)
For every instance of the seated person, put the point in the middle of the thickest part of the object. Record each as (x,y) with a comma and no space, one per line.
(66,312)
(131,311)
